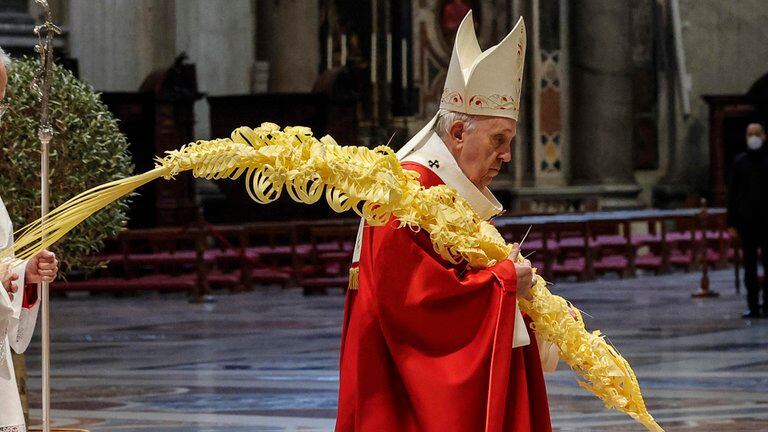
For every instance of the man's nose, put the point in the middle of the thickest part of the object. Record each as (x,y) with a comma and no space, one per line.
(506,155)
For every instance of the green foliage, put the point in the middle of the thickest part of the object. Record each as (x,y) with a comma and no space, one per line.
(87,150)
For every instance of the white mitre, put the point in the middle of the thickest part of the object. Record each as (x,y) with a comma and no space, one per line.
(480,82)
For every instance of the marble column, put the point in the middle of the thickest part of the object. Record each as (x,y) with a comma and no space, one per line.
(294,45)
(602,93)
(119,42)
(219,37)
(550,91)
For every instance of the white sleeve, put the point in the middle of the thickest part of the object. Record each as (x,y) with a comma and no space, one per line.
(6,307)
(24,319)
(21,324)
(520,337)
(549,354)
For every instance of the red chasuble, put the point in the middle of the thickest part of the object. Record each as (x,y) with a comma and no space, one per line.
(427,345)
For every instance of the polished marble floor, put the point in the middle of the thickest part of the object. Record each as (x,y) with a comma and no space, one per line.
(267,360)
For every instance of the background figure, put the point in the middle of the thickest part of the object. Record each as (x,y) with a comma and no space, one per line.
(748,212)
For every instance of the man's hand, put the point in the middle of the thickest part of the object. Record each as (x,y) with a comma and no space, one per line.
(43,267)
(524,272)
(9,284)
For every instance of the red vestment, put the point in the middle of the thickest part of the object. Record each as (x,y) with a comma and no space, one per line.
(427,345)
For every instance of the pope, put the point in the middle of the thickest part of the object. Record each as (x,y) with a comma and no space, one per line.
(428,345)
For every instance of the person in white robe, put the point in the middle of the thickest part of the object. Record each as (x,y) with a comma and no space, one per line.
(19,302)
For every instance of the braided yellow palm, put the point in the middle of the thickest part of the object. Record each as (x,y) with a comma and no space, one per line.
(374,185)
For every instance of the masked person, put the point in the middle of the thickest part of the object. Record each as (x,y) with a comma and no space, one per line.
(429,345)
(19,301)
(748,213)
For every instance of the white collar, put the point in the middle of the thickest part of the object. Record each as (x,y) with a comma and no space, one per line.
(435,156)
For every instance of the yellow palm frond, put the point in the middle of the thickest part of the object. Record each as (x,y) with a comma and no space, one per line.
(374,185)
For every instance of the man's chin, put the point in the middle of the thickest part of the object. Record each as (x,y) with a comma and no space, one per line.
(489,179)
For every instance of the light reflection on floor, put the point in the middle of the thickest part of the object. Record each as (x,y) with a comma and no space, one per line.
(267,360)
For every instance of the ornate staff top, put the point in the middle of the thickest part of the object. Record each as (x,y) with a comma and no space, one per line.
(42,82)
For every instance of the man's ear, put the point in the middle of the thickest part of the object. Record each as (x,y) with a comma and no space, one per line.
(457,131)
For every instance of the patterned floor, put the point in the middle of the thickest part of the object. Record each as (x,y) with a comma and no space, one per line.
(267,360)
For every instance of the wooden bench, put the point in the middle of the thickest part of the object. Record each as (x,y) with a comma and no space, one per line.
(331,253)
(161,259)
(316,254)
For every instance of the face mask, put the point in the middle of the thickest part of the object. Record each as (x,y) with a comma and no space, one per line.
(754,142)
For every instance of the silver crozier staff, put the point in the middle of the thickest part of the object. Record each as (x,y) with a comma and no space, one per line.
(45,133)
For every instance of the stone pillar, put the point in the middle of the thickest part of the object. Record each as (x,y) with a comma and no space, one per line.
(602,93)
(672,188)
(294,46)
(549,84)
(219,38)
(119,42)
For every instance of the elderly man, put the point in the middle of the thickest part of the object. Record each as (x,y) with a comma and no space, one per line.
(748,213)
(432,346)
(19,302)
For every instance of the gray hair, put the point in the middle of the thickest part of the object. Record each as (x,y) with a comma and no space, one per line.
(446,118)
(5,59)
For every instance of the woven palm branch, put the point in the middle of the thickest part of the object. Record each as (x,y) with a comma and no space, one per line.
(374,185)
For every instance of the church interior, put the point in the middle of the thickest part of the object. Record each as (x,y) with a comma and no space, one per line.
(189,306)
